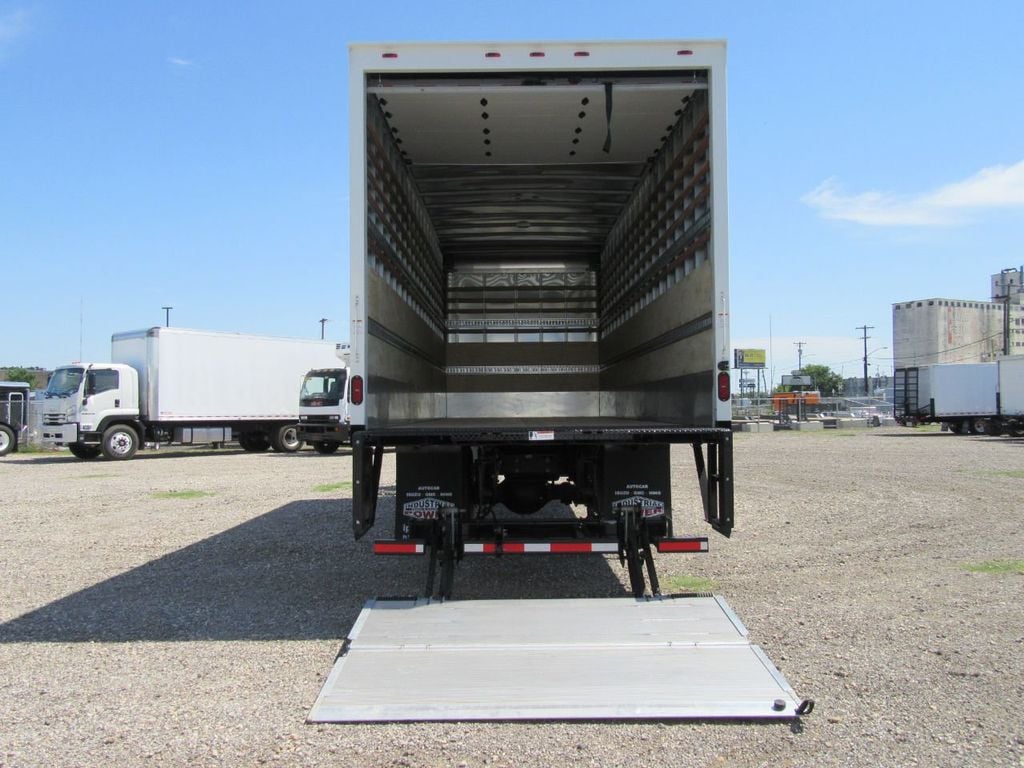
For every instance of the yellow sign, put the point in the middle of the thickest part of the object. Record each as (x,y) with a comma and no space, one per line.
(749,358)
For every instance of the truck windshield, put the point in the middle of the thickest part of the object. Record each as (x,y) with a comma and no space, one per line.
(64,382)
(323,388)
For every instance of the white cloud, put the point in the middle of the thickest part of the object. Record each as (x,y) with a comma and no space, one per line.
(179,62)
(951,204)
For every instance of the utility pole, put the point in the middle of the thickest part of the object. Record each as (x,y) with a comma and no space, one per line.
(167,316)
(867,385)
(800,355)
(323,322)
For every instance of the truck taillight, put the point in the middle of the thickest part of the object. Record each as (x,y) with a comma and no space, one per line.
(723,386)
(357,390)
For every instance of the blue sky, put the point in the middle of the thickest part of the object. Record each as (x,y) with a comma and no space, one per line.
(195,155)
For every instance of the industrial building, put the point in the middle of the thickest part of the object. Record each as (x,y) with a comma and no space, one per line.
(943,330)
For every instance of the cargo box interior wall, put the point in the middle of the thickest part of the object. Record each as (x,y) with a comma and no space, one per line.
(539,245)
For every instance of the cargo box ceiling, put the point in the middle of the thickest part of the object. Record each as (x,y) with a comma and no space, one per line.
(524,168)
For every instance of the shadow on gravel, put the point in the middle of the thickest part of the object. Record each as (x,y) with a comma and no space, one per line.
(292,574)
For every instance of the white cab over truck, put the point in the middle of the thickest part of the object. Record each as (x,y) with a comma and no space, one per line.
(13,414)
(174,385)
(539,304)
(324,419)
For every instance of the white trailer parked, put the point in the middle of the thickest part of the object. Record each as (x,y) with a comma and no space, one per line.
(960,395)
(174,385)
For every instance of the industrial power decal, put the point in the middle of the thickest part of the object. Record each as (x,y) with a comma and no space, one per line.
(638,495)
(427,507)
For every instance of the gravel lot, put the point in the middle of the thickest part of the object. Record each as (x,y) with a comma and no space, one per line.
(197,629)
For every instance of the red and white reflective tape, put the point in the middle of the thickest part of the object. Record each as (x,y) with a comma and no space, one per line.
(573,547)
(398,548)
(540,547)
(692,544)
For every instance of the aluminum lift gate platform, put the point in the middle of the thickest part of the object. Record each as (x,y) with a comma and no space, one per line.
(684,657)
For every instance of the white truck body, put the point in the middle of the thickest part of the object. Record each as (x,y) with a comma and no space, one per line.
(960,389)
(176,385)
(324,419)
(1011,386)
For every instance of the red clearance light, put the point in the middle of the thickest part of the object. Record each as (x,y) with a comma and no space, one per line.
(684,52)
(492,55)
(537,54)
(389,55)
(723,386)
(582,54)
(357,390)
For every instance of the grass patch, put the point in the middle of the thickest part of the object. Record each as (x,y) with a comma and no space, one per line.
(328,487)
(684,583)
(1015,473)
(997,566)
(180,494)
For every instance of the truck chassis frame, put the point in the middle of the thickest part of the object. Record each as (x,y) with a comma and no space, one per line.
(471,527)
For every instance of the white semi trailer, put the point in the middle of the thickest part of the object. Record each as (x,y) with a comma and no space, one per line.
(539,306)
(174,385)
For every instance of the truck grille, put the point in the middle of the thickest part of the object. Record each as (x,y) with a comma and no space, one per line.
(53,419)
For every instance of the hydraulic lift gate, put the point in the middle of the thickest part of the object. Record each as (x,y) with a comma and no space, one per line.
(576,659)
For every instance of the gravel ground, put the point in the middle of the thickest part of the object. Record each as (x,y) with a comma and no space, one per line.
(197,629)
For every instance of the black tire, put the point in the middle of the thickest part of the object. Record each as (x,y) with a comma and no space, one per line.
(120,442)
(254,442)
(977,426)
(325,447)
(994,427)
(956,427)
(84,452)
(286,439)
(7,440)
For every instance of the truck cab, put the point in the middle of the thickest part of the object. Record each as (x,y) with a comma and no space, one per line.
(93,409)
(323,409)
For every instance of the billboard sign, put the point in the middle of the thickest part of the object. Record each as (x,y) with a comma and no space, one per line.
(797,381)
(748,358)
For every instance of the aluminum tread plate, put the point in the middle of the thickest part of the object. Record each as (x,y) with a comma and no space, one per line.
(612,658)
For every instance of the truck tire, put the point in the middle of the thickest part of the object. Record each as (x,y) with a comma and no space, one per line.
(286,439)
(977,426)
(85,452)
(956,427)
(325,448)
(7,440)
(254,442)
(120,442)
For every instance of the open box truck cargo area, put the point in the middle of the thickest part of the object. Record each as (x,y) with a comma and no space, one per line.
(543,233)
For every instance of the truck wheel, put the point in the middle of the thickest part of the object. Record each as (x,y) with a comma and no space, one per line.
(956,427)
(286,439)
(254,442)
(86,452)
(977,426)
(324,447)
(120,442)
(6,439)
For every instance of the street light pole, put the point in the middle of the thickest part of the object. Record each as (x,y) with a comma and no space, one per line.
(800,355)
(323,323)
(167,316)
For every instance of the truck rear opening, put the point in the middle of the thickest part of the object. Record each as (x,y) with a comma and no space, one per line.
(539,290)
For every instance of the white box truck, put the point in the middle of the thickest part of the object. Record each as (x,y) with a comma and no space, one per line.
(960,395)
(175,385)
(539,294)
(539,304)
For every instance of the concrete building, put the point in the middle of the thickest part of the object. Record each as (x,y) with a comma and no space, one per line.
(942,330)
